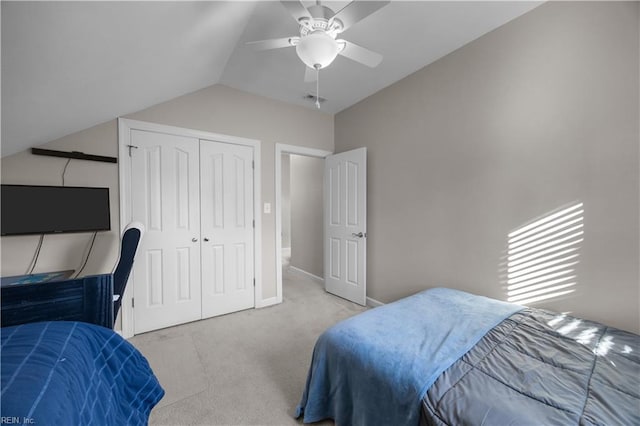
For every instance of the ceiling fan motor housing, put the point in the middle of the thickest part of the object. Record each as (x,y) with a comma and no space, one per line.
(321,21)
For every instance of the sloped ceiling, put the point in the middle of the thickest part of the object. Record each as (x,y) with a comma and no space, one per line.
(67,66)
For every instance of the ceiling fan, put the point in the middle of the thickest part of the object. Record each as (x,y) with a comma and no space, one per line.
(317,46)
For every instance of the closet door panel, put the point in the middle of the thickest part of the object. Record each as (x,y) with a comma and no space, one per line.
(165,197)
(226,181)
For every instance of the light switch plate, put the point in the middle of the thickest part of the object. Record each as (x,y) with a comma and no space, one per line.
(267,208)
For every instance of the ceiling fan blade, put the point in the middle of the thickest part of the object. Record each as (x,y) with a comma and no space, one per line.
(274,43)
(360,54)
(356,11)
(296,9)
(310,75)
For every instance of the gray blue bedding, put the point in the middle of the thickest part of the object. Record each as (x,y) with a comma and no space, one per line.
(374,368)
(444,357)
(541,368)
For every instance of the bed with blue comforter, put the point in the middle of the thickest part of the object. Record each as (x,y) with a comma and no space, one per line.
(445,357)
(74,373)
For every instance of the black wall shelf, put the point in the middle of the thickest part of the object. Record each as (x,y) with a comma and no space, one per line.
(73,154)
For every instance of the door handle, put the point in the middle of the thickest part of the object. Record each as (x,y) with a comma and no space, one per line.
(359,234)
(194,240)
(206,240)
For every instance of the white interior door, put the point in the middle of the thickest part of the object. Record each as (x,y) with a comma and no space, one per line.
(345,225)
(227,228)
(165,198)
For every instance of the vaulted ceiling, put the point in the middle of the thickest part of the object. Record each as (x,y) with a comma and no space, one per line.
(67,66)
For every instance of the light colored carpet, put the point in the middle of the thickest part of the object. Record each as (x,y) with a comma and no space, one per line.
(246,368)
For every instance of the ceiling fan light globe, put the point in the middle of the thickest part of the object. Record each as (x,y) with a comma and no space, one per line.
(317,50)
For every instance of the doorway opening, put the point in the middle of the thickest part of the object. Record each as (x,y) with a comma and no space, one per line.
(302,227)
(299,212)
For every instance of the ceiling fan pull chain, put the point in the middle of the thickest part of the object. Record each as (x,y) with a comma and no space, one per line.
(318,87)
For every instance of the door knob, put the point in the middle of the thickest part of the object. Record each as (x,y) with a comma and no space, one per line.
(359,234)
(206,240)
(194,240)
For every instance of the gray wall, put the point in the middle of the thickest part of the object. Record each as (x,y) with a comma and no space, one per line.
(66,251)
(217,109)
(537,114)
(306,214)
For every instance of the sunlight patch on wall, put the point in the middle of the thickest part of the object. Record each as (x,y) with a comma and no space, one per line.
(542,256)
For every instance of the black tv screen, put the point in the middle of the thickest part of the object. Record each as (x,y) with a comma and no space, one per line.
(31,209)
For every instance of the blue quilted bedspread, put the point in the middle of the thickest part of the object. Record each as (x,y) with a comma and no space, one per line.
(73,373)
(374,368)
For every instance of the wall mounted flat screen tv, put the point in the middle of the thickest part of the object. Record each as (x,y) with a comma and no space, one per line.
(31,209)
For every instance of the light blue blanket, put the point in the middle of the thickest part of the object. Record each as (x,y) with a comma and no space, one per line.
(374,368)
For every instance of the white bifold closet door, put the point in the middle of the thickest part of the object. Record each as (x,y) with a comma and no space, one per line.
(195,199)
(165,197)
(227,228)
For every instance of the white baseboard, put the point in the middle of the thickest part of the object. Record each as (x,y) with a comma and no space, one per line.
(308,274)
(267,302)
(370,302)
(373,302)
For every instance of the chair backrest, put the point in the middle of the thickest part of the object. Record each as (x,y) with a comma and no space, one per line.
(130,240)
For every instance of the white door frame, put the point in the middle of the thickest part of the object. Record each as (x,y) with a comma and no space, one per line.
(286,149)
(125,126)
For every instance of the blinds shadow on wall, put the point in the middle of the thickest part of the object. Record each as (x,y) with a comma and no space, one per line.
(542,256)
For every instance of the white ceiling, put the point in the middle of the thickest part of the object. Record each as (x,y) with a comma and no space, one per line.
(67,66)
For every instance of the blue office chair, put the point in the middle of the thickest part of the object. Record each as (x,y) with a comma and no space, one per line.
(130,240)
